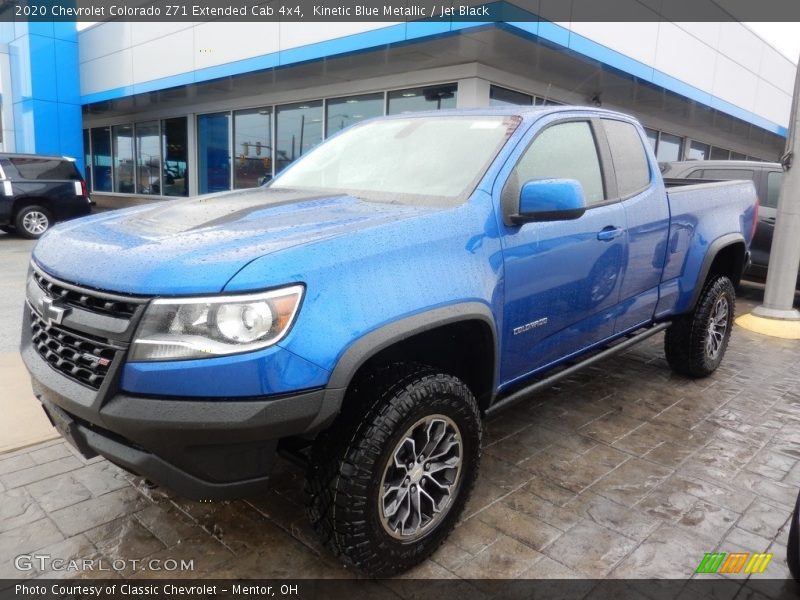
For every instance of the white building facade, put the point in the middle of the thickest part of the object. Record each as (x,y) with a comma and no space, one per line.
(175,109)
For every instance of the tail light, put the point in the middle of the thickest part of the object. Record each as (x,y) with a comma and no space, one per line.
(81,189)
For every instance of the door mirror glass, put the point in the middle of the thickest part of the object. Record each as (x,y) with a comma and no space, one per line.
(550,200)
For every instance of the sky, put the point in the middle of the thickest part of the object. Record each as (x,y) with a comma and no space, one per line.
(784,37)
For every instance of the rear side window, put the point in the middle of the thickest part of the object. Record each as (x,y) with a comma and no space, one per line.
(727,174)
(774,181)
(44,168)
(564,151)
(628,154)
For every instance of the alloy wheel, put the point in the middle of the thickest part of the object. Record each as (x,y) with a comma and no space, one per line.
(421,478)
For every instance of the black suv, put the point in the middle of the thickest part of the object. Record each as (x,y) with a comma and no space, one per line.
(38,191)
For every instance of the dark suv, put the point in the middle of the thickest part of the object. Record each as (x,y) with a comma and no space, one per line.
(767,178)
(38,191)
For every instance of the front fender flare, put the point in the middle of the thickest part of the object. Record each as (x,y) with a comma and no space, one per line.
(367,346)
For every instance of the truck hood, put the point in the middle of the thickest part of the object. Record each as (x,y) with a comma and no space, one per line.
(197,244)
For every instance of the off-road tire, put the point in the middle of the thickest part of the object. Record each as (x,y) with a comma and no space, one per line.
(348,460)
(21,222)
(685,342)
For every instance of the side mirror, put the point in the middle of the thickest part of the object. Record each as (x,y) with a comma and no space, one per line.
(550,200)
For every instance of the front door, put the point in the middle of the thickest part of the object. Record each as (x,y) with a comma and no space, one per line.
(561,277)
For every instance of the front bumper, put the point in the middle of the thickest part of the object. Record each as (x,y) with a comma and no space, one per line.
(203,449)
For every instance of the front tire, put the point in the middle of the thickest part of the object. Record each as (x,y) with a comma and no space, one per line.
(696,343)
(32,221)
(388,482)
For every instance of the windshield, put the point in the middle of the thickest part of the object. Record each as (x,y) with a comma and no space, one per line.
(427,160)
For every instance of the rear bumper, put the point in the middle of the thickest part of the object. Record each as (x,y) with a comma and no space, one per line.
(200,448)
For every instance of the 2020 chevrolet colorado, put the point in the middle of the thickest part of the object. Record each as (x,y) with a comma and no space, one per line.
(369,306)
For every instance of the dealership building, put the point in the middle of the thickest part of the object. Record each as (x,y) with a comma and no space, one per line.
(155,111)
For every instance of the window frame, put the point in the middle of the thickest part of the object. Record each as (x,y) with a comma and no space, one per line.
(509,198)
(650,181)
(162,136)
(197,118)
(514,91)
(232,136)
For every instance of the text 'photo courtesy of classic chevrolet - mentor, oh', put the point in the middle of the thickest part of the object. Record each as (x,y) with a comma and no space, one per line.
(363,311)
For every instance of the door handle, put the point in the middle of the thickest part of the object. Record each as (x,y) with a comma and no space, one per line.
(609,233)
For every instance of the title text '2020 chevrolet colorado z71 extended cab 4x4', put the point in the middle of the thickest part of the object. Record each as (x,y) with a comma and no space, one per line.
(364,310)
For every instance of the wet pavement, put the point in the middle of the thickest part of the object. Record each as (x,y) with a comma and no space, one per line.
(622,471)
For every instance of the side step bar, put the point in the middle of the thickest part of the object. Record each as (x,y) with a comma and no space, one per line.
(525,392)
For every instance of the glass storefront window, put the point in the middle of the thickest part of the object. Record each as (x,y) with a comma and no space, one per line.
(213,153)
(547,102)
(174,141)
(669,147)
(148,158)
(719,153)
(87,157)
(343,112)
(738,156)
(416,99)
(122,136)
(499,96)
(698,151)
(298,129)
(101,159)
(252,147)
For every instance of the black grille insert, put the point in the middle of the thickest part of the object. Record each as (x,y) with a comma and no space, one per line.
(80,358)
(95,302)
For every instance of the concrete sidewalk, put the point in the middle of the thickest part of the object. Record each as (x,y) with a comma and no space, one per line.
(24,422)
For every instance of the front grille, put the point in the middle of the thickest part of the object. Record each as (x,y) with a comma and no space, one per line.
(79,357)
(94,302)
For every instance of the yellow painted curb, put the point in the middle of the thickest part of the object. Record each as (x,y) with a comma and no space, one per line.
(788,330)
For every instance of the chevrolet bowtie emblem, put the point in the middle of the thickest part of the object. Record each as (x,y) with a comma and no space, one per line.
(52,313)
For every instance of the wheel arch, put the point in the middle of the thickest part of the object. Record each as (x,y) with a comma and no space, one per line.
(24,201)
(467,330)
(725,256)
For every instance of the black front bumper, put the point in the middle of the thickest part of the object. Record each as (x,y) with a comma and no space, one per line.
(201,448)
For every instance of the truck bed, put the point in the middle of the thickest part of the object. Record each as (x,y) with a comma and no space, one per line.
(700,214)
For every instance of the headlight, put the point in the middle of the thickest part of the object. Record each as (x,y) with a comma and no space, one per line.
(175,328)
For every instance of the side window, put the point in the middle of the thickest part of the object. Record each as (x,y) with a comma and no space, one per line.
(628,154)
(563,151)
(44,168)
(728,174)
(774,181)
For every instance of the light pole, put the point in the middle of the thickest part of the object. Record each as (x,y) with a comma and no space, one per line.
(784,257)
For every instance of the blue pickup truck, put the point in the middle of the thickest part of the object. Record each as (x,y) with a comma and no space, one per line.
(367,308)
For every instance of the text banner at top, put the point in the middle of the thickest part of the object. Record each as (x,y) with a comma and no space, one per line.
(401,10)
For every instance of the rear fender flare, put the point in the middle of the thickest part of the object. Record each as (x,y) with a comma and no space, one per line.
(714,249)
